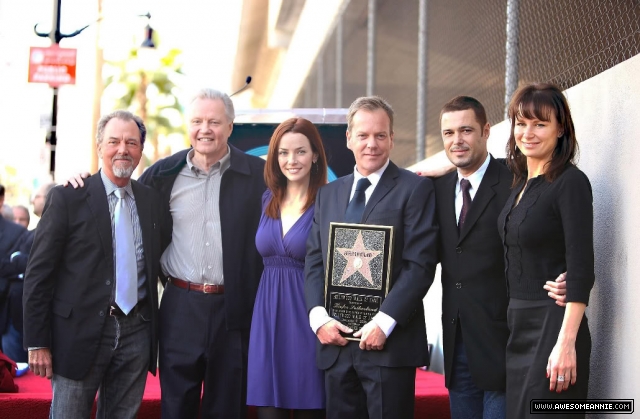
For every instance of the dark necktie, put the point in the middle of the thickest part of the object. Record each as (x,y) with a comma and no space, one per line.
(355,209)
(465,185)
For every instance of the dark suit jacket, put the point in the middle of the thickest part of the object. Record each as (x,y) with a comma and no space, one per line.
(69,282)
(13,238)
(473,281)
(240,206)
(407,202)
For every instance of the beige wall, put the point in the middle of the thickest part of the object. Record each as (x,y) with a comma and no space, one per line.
(606,109)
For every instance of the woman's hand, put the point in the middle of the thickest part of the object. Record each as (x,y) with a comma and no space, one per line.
(562,366)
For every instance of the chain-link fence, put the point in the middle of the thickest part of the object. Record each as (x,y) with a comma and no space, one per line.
(564,42)
(567,42)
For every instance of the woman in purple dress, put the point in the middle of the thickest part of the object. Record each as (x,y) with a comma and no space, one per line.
(282,373)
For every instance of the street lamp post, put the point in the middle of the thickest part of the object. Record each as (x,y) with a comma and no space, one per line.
(56,36)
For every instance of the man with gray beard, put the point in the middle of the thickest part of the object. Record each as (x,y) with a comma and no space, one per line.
(90,289)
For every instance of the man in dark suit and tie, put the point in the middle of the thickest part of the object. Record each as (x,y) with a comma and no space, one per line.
(375,378)
(474,292)
(90,290)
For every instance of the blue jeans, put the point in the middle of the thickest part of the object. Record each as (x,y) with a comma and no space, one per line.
(12,344)
(119,374)
(468,401)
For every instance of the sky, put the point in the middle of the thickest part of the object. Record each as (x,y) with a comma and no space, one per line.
(205,30)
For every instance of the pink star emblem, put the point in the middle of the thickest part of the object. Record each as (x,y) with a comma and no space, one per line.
(358,258)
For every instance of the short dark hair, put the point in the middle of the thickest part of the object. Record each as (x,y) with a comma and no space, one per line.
(540,101)
(276,181)
(1,191)
(462,103)
(125,116)
(369,103)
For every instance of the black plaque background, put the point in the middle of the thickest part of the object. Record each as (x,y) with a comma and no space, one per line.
(350,298)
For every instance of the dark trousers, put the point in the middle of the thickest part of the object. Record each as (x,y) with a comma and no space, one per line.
(198,355)
(359,389)
(467,401)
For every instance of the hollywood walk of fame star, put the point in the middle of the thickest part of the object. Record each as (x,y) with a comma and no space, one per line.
(358,258)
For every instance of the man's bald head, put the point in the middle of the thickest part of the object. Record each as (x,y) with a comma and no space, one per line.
(40,198)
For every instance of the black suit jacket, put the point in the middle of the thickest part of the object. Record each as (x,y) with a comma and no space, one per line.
(69,281)
(474,288)
(240,207)
(13,238)
(407,202)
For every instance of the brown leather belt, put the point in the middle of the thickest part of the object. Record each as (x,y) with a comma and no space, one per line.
(192,286)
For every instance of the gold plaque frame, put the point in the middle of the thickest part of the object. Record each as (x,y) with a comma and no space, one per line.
(359,266)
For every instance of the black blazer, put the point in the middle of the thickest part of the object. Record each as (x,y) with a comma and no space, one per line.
(69,284)
(407,202)
(473,282)
(240,206)
(13,238)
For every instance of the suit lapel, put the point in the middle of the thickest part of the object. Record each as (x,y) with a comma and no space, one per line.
(99,206)
(448,205)
(386,183)
(484,195)
(344,193)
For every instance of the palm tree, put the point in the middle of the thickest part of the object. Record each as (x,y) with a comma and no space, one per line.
(147,85)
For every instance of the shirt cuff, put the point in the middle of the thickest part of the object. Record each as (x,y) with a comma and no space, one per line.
(318,317)
(33,348)
(384,322)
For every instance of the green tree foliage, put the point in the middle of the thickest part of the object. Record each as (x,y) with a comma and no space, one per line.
(147,84)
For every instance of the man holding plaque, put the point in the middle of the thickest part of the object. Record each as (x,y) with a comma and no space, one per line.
(375,376)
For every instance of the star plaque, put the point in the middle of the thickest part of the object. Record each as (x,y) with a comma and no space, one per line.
(358,272)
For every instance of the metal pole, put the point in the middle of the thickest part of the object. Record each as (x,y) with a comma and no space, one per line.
(52,138)
(421,117)
(339,35)
(320,81)
(511,53)
(371,47)
(55,34)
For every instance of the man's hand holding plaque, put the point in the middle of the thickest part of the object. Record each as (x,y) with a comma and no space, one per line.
(329,333)
(372,338)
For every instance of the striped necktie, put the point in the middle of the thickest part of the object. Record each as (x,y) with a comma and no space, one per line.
(126,267)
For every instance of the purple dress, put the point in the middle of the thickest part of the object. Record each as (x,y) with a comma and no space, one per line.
(282,368)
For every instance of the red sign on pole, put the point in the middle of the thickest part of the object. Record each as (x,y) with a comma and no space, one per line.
(53,65)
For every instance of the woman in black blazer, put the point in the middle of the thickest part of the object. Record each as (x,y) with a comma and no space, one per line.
(547,229)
